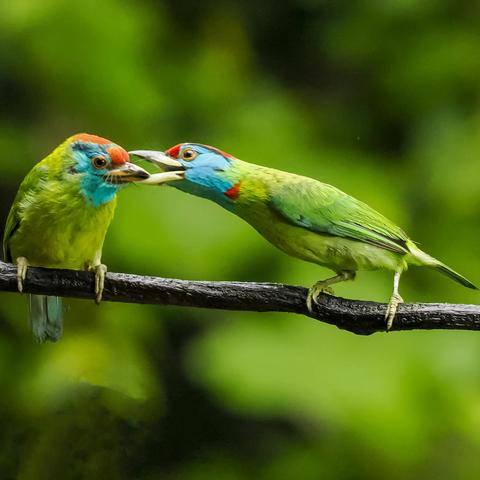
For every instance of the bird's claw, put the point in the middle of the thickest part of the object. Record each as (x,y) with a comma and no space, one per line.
(395,300)
(314,292)
(100,272)
(22,266)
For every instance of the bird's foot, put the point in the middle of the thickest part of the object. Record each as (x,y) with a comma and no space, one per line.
(395,301)
(324,287)
(315,291)
(22,266)
(100,272)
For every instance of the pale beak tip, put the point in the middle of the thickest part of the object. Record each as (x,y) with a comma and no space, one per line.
(148,154)
(139,153)
(158,158)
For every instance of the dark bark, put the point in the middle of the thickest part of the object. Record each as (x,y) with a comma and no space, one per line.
(359,317)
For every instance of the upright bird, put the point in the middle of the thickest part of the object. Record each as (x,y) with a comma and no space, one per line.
(60,217)
(303,217)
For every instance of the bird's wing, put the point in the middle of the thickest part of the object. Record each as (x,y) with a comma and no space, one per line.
(31,184)
(325,209)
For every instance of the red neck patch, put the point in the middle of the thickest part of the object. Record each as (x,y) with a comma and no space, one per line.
(233,192)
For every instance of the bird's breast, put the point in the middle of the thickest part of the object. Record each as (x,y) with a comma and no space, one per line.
(61,230)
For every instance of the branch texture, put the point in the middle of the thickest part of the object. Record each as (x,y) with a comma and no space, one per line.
(360,317)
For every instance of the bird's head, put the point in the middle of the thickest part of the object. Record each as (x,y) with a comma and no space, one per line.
(101,166)
(194,168)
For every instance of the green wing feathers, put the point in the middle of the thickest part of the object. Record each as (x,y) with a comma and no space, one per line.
(32,183)
(325,209)
(13,222)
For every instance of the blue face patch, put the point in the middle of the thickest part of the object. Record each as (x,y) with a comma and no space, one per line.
(92,184)
(205,175)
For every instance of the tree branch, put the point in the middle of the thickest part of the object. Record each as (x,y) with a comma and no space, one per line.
(359,317)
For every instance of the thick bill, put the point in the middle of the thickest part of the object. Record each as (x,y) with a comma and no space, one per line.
(161,178)
(172,169)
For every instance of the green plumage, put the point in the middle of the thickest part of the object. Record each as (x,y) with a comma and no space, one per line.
(319,223)
(50,221)
(301,216)
(53,225)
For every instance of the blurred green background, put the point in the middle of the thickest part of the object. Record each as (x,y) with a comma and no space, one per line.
(378,97)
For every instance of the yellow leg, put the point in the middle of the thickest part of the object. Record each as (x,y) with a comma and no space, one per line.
(100,272)
(22,266)
(395,300)
(323,285)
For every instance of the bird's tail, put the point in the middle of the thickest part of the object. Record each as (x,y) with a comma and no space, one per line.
(46,318)
(422,258)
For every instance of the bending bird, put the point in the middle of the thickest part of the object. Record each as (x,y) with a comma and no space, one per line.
(303,217)
(60,217)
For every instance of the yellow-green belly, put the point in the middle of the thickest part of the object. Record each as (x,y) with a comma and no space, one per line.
(337,253)
(62,236)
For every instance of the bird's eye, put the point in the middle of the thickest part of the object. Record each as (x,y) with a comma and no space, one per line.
(99,162)
(189,154)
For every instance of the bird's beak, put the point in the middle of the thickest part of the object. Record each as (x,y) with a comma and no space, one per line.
(126,173)
(172,169)
(159,159)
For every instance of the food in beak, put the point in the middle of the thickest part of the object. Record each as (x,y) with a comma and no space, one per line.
(160,178)
(172,169)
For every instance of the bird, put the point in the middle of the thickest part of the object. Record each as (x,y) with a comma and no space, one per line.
(60,216)
(303,217)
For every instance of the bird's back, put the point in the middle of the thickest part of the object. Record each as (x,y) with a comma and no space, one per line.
(311,204)
(316,221)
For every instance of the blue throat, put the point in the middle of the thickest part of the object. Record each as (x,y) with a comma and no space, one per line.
(202,183)
(96,191)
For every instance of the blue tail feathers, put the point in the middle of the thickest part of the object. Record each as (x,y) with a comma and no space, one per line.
(46,318)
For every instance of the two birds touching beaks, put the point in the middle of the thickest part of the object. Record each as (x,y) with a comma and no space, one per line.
(64,206)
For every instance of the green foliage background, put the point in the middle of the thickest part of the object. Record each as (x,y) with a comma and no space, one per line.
(380,98)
